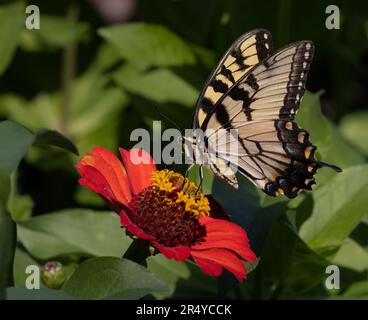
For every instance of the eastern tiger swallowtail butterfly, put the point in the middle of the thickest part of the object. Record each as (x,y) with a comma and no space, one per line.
(258,92)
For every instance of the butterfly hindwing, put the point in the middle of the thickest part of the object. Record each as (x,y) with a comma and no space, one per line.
(279,160)
(249,50)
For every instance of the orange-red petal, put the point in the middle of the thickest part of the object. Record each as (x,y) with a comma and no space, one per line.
(178,253)
(111,169)
(212,261)
(224,246)
(94,180)
(139,166)
(225,234)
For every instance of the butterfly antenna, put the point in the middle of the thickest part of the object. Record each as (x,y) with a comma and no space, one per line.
(335,168)
(168,119)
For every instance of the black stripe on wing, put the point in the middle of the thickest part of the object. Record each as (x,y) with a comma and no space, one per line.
(246,52)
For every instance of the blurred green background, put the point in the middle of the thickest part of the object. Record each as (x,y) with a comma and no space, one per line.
(98,69)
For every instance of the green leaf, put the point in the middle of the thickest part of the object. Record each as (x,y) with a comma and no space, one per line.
(42,111)
(184,279)
(245,208)
(36,294)
(331,147)
(112,278)
(46,137)
(70,231)
(242,204)
(358,290)
(183,17)
(54,32)
(106,58)
(19,206)
(289,262)
(11,24)
(169,271)
(353,127)
(21,261)
(351,255)
(94,105)
(148,45)
(86,197)
(160,85)
(338,208)
(14,143)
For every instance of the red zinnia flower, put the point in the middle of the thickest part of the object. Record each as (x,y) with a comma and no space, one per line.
(153,205)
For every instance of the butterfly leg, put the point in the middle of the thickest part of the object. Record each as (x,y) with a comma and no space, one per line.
(200,178)
(186,174)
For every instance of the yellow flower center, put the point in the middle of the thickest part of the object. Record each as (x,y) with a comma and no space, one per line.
(187,194)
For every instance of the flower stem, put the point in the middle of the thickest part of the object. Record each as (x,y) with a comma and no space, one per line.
(138,252)
(69,63)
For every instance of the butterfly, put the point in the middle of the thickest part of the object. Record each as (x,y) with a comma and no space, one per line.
(257,92)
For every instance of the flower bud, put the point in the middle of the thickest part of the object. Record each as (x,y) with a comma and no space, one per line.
(53,274)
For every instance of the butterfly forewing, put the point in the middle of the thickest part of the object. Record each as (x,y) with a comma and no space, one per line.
(271,90)
(249,50)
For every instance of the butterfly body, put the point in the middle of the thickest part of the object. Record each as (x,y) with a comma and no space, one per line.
(256,93)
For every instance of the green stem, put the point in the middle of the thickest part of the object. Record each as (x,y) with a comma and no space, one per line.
(8,238)
(138,252)
(69,63)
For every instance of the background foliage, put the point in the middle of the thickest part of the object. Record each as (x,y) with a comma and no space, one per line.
(94,81)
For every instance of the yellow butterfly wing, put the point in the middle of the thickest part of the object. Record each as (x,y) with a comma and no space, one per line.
(246,52)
